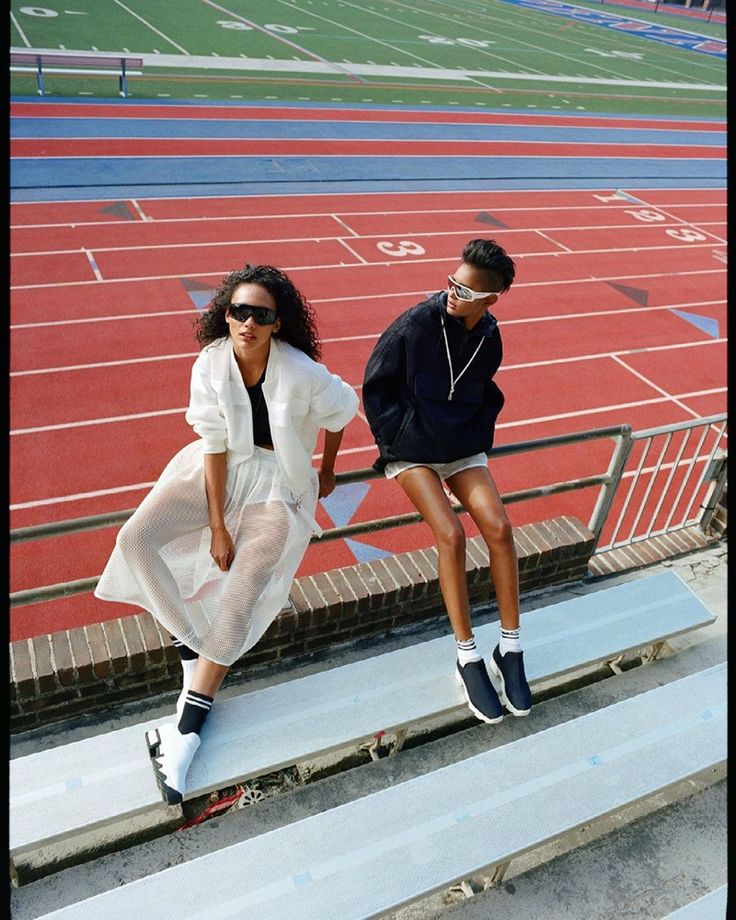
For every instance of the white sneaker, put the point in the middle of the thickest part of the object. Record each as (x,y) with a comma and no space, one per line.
(171,754)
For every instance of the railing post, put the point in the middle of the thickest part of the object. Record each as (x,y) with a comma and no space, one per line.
(123,79)
(39,76)
(719,476)
(624,443)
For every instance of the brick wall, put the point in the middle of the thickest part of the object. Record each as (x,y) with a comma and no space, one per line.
(74,671)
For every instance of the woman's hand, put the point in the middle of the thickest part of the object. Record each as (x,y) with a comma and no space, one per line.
(222,548)
(326,482)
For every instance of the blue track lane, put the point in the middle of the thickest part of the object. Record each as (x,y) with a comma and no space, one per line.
(342,130)
(170,177)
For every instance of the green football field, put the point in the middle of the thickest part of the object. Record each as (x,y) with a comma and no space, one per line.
(485,53)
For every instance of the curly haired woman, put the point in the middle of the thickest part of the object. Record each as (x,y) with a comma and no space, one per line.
(212,550)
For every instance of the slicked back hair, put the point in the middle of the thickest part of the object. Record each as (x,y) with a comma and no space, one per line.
(488,257)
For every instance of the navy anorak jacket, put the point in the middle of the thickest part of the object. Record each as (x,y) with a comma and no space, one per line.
(407,384)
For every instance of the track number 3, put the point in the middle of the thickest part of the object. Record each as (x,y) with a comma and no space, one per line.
(403,248)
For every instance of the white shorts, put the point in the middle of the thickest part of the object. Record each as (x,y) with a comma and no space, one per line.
(443,470)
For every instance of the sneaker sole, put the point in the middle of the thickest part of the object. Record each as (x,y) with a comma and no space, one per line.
(153,743)
(502,695)
(476,712)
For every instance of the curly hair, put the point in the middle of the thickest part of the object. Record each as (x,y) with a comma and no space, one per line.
(298,326)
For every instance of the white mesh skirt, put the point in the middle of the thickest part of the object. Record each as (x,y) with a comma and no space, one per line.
(161,560)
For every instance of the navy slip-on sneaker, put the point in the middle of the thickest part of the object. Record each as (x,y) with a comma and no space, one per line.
(480,693)
(515,693)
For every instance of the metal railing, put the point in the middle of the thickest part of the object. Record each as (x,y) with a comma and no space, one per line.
(675,493)
(705,466)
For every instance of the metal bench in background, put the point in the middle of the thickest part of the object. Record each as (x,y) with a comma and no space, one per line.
(76,63)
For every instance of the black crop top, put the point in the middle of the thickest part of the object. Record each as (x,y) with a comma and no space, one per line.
(261,427)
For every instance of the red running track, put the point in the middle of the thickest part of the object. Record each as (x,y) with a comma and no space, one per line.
(230,112)
(618,315)
(206,147)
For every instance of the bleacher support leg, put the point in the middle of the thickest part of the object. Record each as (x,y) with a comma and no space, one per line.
(657,650)
(498,875)
(465,887)
(378,749)
(400,738)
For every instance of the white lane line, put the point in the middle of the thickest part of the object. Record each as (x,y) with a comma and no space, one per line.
(345,226)
(616,356)
(426,193)
(622,206)
(597,410)
(139,209)
(38,503)
(554,242)
(107,319)
(558,317)
(80,496)
(86,367)
(93,264)
(437,260)
(353,252)
(611,354)
(619,360)
(421,234)
(153,28)
(97,421)
(347,299)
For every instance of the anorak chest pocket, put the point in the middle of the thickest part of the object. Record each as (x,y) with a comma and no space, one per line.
(283,414)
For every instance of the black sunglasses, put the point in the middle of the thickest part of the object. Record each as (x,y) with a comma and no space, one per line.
(263,316)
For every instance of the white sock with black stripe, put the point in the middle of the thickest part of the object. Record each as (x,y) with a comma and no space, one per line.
(196,709)
(510,641)
(467,650)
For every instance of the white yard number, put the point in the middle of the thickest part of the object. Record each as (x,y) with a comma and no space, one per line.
(647,216)
(244,27)
(628,55)
(685,234)
(286,30)
(405,248)
(38,11)
(443,40)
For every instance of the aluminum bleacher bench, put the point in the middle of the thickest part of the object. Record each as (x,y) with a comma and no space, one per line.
(711,906)
(63,793)
(375,854)
(75,62)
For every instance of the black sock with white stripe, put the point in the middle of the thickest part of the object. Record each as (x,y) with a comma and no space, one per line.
(196,709)
(185,653)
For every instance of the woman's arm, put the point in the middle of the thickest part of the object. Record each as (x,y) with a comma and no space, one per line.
(326,470)
(222,548)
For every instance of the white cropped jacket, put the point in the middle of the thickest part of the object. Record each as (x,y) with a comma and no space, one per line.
(302,396)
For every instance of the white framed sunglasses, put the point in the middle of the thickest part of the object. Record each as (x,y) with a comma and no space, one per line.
(465,293)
